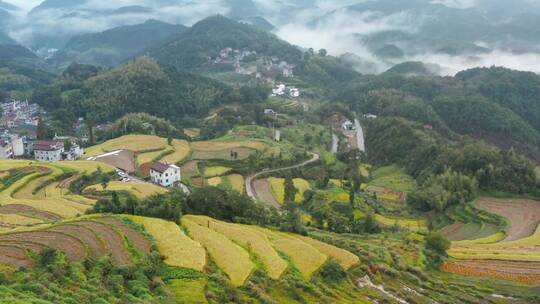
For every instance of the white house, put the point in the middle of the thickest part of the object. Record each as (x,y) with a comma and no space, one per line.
(17,143)
(74,153)
(48,150)
(165,175)
(348,125)
(6,150)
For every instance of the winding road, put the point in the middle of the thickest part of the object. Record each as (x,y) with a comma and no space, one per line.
(250,189)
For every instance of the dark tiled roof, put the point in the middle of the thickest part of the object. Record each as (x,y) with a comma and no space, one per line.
(47,145)
(159,167)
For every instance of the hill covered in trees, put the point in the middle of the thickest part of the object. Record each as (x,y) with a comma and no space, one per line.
(207,38)
(115,46)
(497,105)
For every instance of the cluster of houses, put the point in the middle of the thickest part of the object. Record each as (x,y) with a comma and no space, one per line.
(247,62)
(282,90)
(19,114)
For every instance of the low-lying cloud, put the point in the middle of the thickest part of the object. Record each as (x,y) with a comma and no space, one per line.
(318,24)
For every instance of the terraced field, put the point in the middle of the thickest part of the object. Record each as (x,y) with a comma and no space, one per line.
(179,250)
(220,239)
(140,190)
(41,191)
(86,238)
(415,225)
(216,171)
(392,177)
(135,143)
(279,191)
(511,254)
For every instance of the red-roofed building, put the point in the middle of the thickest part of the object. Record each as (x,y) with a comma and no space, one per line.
(165,175)
(45,150)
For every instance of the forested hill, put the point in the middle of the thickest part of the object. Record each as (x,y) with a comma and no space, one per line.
(497,105)
(140,86)
(206,38)
(117,45)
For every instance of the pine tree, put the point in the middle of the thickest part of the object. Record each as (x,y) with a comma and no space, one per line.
(42,131)
(289,189)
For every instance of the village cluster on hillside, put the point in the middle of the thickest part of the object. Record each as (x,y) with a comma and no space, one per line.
(247,62)
(18,135)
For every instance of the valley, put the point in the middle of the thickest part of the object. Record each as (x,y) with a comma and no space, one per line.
(184,152)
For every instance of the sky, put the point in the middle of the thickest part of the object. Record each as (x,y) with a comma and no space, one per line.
(25,4)
(337,32)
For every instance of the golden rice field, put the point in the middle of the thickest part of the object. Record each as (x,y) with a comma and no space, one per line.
(336,182)
(237,182)
(307,254)
(192,132)
(18,220)
(250,239)
(278,188)
(229,257)
(85,166)
(135,143)
(216,171)
(337,195)
(414,225)
(179,250)
(20,192)
(303,255)
(181,152)
(216,145)
(343,257)
(148,157)
(214,181)
(306,258)
(140,190)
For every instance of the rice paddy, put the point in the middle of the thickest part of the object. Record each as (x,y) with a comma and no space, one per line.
(179,250)
(414,225)
(135,143)
(278,189)
(228,256)
(216,171)
(140,190)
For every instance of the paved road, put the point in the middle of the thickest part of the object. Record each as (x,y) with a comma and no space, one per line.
(360,136)
(335,143)
(250,189)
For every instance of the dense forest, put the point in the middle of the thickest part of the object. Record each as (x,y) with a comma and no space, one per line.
(474,103)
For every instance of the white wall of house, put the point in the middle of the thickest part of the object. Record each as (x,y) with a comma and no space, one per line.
(47,156)
(167,178)
(18,146)
(6,152)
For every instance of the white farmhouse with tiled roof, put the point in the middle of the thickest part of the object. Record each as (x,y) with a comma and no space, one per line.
(45,150)
(165,175)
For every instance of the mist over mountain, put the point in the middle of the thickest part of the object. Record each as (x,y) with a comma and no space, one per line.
(378,34)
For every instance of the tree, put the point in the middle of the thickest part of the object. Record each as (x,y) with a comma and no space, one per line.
(323,52)
(437,243)
(292,220)
(352,197)
(436,247)
(105,179)
(289,189)
(42,130)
